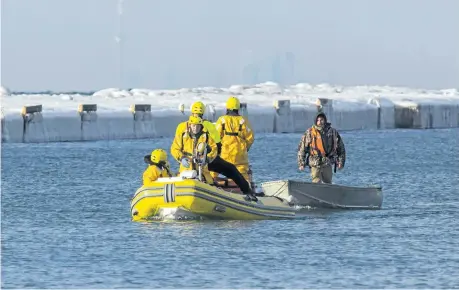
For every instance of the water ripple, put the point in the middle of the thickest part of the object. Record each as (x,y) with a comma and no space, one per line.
(65,221)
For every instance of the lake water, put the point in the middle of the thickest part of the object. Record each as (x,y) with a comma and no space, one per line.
(66,220)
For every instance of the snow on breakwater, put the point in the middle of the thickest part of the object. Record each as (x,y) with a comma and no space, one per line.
(143,113)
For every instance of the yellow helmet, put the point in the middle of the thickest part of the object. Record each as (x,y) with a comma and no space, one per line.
(233,103)
(195,120)
(198,108)
(158,155)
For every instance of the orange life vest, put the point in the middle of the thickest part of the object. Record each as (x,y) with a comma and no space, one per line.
(317,146)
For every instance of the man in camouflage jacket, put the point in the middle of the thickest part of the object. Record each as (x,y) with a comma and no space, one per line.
(324,148)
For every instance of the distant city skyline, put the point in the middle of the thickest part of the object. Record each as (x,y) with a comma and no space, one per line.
(77,45)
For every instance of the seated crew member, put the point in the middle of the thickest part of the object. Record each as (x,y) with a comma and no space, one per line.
(185,144)
(157,167)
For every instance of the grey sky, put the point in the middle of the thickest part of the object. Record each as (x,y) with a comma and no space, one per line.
(70,44)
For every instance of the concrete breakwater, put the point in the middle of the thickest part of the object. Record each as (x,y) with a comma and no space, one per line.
(39,123)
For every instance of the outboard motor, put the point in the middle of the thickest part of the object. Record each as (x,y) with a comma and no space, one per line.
(200,158)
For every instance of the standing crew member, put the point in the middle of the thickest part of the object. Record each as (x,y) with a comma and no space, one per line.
(325,148)
(237,136)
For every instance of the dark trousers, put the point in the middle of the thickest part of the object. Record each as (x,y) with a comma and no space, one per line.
(229,170)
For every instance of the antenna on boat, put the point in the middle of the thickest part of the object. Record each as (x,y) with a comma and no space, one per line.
(118,40)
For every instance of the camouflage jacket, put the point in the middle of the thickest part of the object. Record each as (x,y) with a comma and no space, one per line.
(333,156)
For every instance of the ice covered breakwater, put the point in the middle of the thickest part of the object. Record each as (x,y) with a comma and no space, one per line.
(138,113)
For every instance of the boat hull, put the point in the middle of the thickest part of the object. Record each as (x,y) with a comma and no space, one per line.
(322,195)
(200,199)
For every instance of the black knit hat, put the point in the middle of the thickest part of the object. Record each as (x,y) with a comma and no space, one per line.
(321,114)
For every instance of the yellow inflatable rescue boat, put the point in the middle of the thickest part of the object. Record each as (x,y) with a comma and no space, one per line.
(185,196)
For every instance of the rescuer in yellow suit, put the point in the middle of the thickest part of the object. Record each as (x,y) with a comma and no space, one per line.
(157,167)
(218,165)
(185,144)
(236,136)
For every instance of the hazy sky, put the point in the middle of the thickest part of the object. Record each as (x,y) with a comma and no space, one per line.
(70,44)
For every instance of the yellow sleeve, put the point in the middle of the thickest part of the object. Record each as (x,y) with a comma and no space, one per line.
(177,145)
(150,175)
(218,127)
(180,128)
(211,155)
(210,127)
(248,133)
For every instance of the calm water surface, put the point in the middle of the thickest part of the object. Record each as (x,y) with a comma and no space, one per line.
(66,223)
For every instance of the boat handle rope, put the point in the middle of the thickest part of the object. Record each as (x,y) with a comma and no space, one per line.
(277,192)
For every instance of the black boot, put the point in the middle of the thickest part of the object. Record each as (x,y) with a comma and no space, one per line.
(259,194)
(250,197)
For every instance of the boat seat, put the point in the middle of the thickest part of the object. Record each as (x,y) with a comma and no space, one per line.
(229,185)
(225,182)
